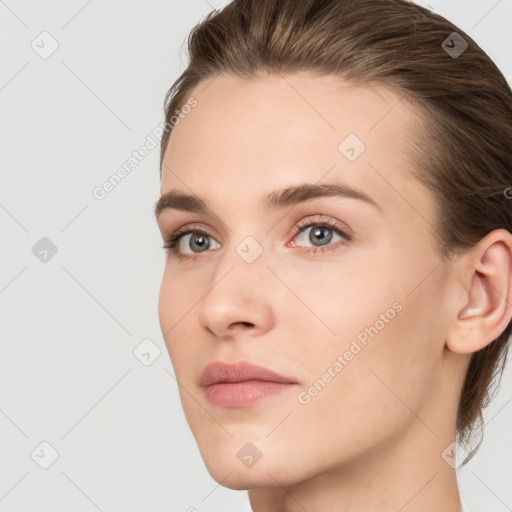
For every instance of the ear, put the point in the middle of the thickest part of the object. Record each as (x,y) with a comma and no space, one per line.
(485,275)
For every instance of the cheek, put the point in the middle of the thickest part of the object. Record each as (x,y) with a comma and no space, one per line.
(175,309)
(368,347)
(362,405)
(340,305)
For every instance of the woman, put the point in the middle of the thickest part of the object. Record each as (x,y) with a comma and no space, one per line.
(335,209)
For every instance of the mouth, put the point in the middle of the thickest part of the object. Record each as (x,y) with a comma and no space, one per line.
(241,384)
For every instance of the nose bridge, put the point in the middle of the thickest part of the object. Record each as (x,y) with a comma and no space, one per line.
(244,252)
(242,266)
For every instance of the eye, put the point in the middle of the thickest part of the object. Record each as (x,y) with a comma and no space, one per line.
(196,241)
(188,242)
(319,234)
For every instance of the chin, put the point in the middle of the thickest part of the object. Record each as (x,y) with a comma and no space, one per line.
(241,478)
(227,467)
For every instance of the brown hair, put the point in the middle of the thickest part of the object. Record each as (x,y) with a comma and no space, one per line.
(462,148)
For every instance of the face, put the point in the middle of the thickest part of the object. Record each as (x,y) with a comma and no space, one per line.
(339,290)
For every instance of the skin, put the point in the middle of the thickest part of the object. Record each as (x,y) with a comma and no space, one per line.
(373,437)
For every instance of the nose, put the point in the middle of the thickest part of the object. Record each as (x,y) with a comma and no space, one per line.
(238,300)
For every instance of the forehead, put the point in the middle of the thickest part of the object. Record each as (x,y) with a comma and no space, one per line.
(278,130)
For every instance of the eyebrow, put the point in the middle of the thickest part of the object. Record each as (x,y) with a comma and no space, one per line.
(287,197)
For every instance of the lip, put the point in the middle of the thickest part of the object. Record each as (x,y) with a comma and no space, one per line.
(241,384)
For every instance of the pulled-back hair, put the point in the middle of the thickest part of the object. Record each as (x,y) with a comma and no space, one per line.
(461,148)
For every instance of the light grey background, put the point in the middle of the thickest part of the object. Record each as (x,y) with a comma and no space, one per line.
(69,326)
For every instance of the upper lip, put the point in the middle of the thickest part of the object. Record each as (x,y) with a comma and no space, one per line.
(219,371)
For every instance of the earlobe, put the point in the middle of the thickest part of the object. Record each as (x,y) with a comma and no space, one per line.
(487,308)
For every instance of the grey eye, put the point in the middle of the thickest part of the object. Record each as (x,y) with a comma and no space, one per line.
(195,242)
(318,236)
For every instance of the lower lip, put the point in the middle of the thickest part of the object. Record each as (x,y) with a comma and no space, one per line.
(243,394)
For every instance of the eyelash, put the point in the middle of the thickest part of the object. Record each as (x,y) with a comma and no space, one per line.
(172,241)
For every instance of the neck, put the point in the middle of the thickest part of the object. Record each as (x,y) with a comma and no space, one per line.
(406,475)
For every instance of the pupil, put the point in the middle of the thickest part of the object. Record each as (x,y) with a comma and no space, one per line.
(319,235)
(200,241)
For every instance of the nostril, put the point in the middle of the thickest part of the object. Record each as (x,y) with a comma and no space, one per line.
(246,324)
